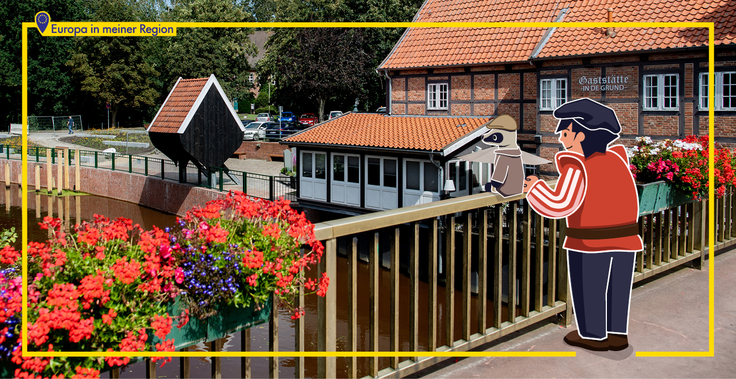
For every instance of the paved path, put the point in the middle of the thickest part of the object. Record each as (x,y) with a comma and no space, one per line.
(667,314)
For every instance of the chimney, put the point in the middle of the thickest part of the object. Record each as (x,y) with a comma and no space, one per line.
(610,32)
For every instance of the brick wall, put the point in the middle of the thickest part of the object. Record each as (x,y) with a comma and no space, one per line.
(461,88)
(448,70)
(414,72)
(508,86)
(261,150)
(630,86)
(484,87)
(689,79)
(509,109)
(530,85)
(166,196)
(615,59)
(661,66)
(563,62)
(548,123)
(398,89)
(628,116)
(688,118)
(580,83)
(398,108)
(461,109)
(488,68)
(484,109)
(416,89)
(553,72)
(655,125)
(530,117)
(416,109)
(724,126)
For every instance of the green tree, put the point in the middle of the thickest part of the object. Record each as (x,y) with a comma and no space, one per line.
(200,52)
(51,90)
(116,69)
(334,70)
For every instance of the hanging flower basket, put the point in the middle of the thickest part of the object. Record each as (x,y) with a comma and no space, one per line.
(658,196)
(228,319)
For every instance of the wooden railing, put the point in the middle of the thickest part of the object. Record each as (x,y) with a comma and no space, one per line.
(512,255)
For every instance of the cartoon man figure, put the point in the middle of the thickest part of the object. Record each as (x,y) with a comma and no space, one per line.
(597,194)
(508,169)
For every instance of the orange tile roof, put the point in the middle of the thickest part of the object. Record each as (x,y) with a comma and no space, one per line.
(395,132)
(177,105)
(437,47)
(571,42)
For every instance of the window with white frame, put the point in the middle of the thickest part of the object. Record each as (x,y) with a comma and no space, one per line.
(251,77)
(437,96)
(554,93)
(724,94)
(313,183)
(661,92)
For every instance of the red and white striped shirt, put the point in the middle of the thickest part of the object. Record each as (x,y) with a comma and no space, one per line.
(597,192)
(567,195)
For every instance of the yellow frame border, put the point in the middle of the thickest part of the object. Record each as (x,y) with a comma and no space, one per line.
(711,264)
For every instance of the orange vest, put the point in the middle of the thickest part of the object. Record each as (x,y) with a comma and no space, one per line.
(610,200)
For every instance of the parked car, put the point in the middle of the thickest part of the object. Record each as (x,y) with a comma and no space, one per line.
(308,119)
(277,132)
(334,114)
(287,117)
(256,130)
(381,110)
(264,117)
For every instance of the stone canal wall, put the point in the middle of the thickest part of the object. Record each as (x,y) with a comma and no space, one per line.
(166,196)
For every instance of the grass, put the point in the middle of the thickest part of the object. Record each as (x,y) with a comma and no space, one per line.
(120,135)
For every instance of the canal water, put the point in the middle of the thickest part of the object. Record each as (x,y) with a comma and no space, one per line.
(74,209)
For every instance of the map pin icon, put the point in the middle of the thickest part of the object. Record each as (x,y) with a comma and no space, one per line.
(42,21)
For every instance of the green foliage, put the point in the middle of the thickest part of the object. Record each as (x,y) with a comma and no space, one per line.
(50,86)
(337,66)
(115,69)
(201,52)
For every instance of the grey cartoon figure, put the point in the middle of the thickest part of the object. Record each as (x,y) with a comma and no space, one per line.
(508,169)
(596,193)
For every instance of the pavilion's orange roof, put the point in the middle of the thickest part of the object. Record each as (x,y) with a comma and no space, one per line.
(445,47)
(394,132)
(177,106)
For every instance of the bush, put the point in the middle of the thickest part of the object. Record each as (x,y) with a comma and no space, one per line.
(273,111)
(683,163)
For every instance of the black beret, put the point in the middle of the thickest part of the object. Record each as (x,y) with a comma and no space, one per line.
(590,114)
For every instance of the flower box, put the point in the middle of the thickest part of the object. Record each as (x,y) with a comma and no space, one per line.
(658,196)
(228,319)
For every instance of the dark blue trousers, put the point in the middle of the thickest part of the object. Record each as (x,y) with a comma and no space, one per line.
(600,284)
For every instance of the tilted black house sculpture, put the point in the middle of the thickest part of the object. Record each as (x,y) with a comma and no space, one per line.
(197,123)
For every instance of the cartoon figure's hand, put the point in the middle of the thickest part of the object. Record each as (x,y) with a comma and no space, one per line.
(529,182)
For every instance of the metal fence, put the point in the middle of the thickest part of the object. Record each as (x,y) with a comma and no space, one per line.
(269,187)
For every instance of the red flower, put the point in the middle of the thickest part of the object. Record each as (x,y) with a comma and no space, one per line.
(8,255)
(161,325)
(107,318)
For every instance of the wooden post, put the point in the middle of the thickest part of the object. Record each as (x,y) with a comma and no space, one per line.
(482,270)
(563,288)
(432,322)
(327,309)
(373,301)
(7,178)
(78,202)
(49,172)
(38,205)
(414,290)
(450,280)
(394,307)
(216,362)
(37,177)
(150,368)
(184,366)
(59,170)
(497,268)
(352,311)
(466,262)
(273,341)
(77,175)
(67,161)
